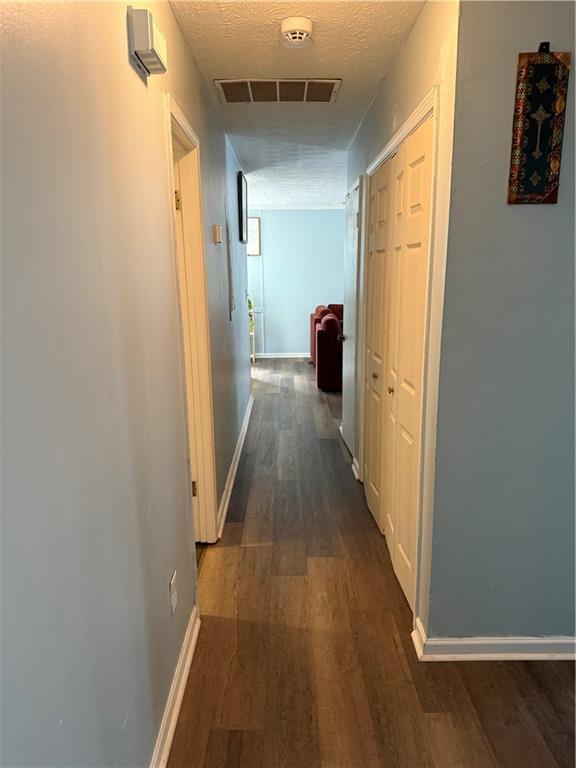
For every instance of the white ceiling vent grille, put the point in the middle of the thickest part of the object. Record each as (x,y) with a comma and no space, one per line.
(267,91)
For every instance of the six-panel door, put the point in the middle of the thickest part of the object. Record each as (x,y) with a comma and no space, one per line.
(396,315)
(380,212)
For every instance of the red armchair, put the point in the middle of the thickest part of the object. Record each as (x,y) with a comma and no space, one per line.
(338,310)
(315,319)
(329,354)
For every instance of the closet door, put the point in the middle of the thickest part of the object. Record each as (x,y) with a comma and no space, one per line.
(412,245)
(391,301)
(380,213)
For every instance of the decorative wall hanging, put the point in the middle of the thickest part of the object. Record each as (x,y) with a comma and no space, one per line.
(538,126)
(242,208)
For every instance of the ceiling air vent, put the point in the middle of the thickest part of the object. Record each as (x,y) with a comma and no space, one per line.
(285,90)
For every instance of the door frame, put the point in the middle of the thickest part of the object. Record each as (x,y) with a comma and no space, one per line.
(357,322)
(363,243)
(429,107)
(198,390)
(261,309)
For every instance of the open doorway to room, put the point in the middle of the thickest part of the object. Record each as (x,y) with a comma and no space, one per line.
(295,286)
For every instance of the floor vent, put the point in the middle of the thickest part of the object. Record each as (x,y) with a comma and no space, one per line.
(267,91)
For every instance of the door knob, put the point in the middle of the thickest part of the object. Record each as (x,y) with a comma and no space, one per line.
(390,390)
(374,375)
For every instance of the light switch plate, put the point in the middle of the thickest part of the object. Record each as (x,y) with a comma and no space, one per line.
(218,234)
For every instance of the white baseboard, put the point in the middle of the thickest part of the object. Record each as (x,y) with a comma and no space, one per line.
(354,466)
(553,648)
(344,440)
(223,508)
(172,709)
(264,355)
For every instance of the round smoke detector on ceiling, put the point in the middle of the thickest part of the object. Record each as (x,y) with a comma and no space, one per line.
(296,32)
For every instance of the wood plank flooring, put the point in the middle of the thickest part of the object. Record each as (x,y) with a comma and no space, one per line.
(304,658)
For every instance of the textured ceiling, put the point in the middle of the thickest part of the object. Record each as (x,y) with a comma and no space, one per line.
(295,154)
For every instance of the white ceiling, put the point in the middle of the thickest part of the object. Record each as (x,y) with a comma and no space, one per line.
(295,154)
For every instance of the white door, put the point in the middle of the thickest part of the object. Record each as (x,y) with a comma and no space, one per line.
(350,322)
(414,249)
(397,290)
(379,231)
(185,311)
(390,299)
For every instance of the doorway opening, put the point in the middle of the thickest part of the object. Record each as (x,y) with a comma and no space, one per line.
(353,304)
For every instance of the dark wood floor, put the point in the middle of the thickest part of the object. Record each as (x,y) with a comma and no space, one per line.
(304,657)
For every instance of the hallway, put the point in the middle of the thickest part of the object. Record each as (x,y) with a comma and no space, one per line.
(304,657)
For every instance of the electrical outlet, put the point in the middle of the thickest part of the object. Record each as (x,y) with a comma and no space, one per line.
(174,591)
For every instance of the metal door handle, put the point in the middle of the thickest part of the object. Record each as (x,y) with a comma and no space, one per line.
(374,375)
(390,390)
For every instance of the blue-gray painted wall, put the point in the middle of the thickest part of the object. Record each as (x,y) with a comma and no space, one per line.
(503,543)
(302,265)
(95,497)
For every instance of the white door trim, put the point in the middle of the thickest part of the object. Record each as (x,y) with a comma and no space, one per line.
(263,295)
(204,505)
(353,187)
(356,186)
(359,329)
(363,242)
(428,107)
(422,112)
(491,648)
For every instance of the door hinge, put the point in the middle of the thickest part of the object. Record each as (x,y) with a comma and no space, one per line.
(177,200)
(194,488)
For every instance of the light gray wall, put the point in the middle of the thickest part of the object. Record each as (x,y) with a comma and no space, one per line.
(95,507)
(426,59)
(503,553)
(230,339)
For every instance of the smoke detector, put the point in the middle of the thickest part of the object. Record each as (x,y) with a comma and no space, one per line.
(296,32)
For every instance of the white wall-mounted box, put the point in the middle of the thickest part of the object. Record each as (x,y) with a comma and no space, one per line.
(148,47)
